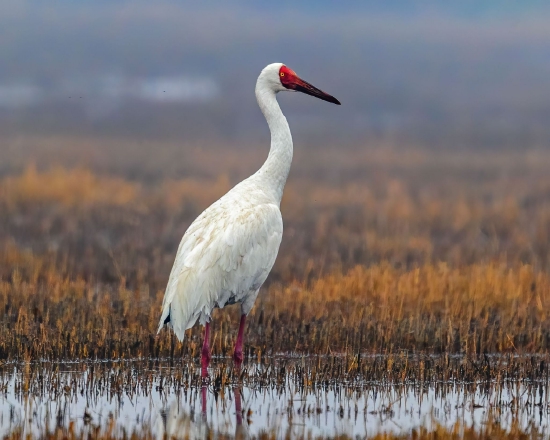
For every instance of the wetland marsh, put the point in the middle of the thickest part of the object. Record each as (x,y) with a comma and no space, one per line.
(286,397)
(396,308)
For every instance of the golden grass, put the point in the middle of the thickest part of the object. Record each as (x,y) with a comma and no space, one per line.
(383,251)
(331,223)
(474,309)
(433,308)
(76,187)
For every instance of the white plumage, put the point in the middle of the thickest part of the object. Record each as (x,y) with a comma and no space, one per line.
(228,251)
(223,258)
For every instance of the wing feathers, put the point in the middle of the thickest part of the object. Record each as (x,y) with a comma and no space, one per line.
(225,254)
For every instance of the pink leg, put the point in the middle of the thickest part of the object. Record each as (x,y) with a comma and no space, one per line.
(238,407)
(238,355)
(205,359)
(203,400)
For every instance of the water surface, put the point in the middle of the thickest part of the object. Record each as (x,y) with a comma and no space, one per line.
(160,397)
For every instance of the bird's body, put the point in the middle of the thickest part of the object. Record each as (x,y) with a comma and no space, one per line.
(228,251)
(224,257)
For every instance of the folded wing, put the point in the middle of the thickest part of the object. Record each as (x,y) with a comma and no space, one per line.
(225,256)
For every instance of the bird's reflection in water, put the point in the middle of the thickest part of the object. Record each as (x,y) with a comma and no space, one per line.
(241,429)
(186,423)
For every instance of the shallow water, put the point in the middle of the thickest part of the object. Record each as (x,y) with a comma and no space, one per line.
(158,398)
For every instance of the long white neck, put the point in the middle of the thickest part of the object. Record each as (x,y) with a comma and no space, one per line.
(274,171)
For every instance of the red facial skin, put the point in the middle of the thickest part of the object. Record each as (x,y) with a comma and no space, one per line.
(288,77)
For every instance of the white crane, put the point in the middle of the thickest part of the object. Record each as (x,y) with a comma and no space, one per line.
(228,251)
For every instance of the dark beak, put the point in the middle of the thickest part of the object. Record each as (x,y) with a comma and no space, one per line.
(302,86)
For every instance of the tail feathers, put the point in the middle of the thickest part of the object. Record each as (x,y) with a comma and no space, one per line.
(183,303)
(165,318)
(172,317)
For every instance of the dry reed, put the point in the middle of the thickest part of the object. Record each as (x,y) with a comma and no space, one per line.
(435,261)
(371,262)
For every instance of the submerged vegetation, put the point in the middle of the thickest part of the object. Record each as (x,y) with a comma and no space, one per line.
(284,398)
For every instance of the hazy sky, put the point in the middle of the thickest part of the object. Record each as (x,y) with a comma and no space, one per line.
(176,68)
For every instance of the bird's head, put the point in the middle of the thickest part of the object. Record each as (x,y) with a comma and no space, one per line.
(280,78)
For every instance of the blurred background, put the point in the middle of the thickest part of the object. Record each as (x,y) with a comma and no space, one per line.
(455,74)
(121,120)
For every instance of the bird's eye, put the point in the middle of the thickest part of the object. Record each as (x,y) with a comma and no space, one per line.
(282,74)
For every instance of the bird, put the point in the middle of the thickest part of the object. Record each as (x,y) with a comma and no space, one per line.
(227,253)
